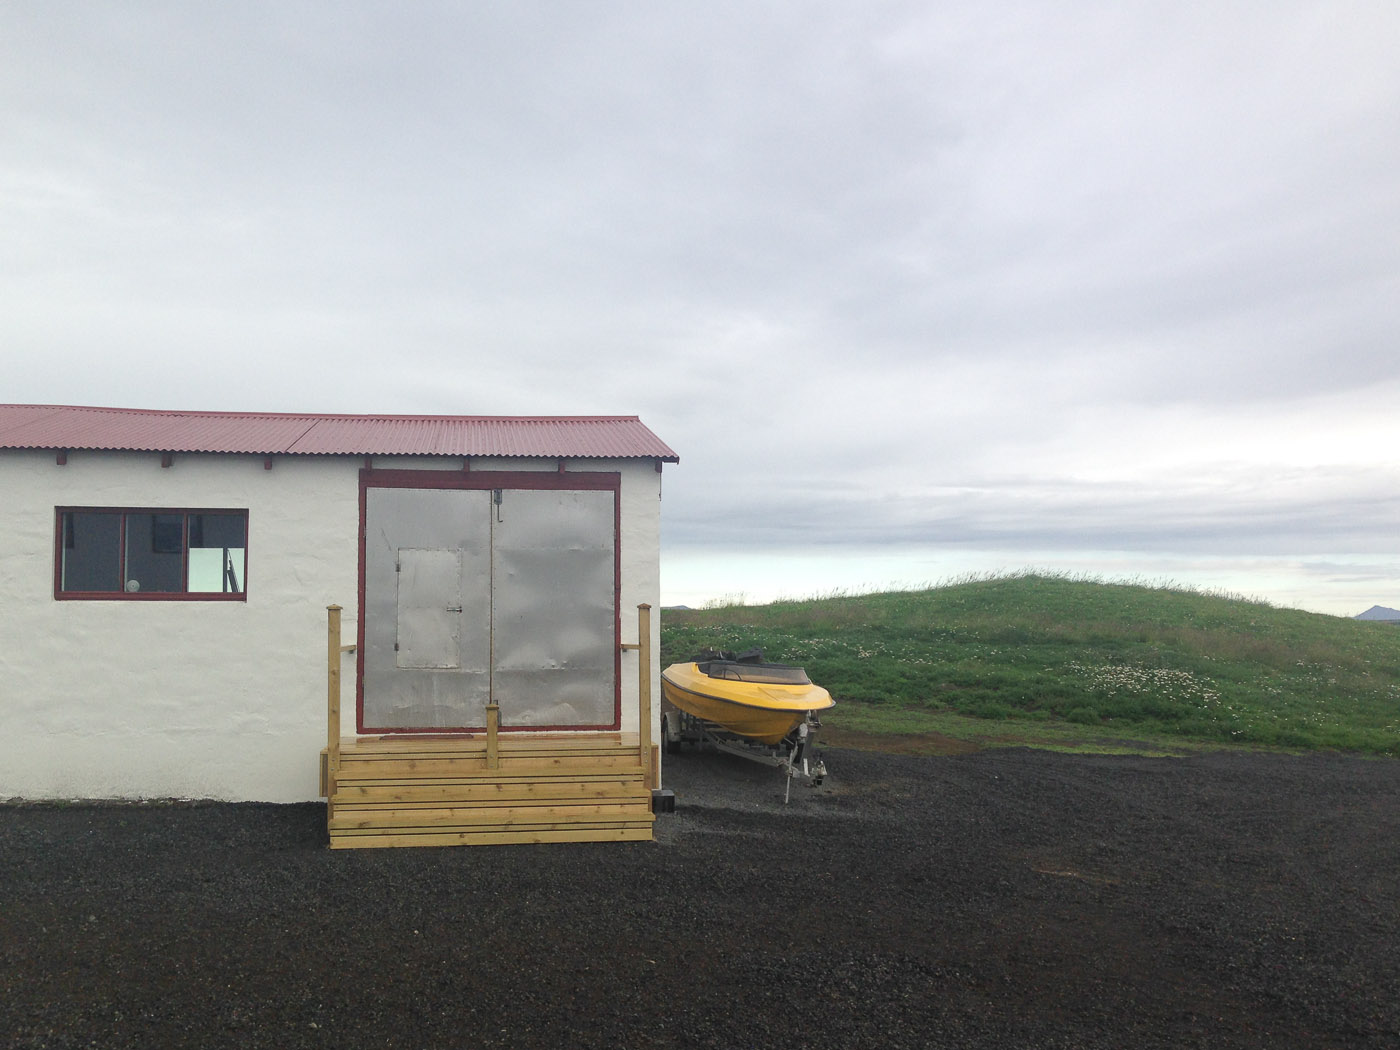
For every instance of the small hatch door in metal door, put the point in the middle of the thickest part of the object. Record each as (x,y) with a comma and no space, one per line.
(430,609)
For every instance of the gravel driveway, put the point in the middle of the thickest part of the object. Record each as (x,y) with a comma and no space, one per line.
(1000,899)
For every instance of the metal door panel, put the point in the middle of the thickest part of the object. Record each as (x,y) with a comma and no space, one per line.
(554,616)
(448,529)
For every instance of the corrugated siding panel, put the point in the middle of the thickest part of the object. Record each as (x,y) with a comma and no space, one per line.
(64,427)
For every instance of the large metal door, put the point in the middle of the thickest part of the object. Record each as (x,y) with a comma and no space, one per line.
(478,594)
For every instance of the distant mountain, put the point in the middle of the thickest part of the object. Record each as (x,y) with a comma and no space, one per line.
(1379,612)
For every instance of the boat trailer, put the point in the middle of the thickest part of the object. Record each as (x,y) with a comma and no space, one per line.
(790,755)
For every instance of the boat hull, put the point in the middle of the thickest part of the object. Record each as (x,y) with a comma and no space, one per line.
(765,712)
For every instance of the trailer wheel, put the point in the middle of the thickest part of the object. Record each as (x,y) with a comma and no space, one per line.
(673,741)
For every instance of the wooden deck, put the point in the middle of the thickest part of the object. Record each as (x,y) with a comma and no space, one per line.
(449,791)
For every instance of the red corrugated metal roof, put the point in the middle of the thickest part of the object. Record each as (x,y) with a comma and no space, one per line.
(262,433)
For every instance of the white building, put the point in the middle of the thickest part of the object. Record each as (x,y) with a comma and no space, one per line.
(164,580)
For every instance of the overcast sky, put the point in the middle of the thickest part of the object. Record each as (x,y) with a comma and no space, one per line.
(914,289)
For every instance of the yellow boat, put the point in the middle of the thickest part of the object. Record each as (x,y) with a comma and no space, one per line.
(763,702)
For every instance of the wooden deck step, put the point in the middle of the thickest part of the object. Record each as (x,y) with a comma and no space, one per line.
(592,833)
(391,746)
(397,791)
(358,819)
(519,790)
(466,772)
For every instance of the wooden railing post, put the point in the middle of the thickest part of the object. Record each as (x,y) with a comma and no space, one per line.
(644,687)
(332,698)
(493,725)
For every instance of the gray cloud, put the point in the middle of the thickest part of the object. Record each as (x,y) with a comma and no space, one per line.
(891,274)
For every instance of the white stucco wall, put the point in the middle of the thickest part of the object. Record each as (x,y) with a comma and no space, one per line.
(225,700)
(641,583)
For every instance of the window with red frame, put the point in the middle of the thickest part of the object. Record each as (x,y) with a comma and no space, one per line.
(152,553)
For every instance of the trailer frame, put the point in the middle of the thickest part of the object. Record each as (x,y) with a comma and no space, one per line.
(790,755)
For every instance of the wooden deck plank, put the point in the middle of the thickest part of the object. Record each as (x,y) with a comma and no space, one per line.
(479,838)
(569,758)
(552,757)
(489,805)
(520,763)
(467,744)
(355,819)
(474,780)
(393,740)
(516,790)
(414,769)
(418,830)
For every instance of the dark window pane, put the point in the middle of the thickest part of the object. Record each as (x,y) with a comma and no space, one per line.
(218,557)
(91,552)
(218,530)
(155,557)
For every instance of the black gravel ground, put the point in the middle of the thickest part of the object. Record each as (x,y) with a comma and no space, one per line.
(1004,899)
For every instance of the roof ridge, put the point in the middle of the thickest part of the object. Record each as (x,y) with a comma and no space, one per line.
(423,417)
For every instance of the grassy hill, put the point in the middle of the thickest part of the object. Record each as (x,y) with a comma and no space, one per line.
(1058,661)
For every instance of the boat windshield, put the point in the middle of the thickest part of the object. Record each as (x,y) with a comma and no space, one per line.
(768,674)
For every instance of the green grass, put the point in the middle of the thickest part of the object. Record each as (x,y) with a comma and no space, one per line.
(1047,660)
